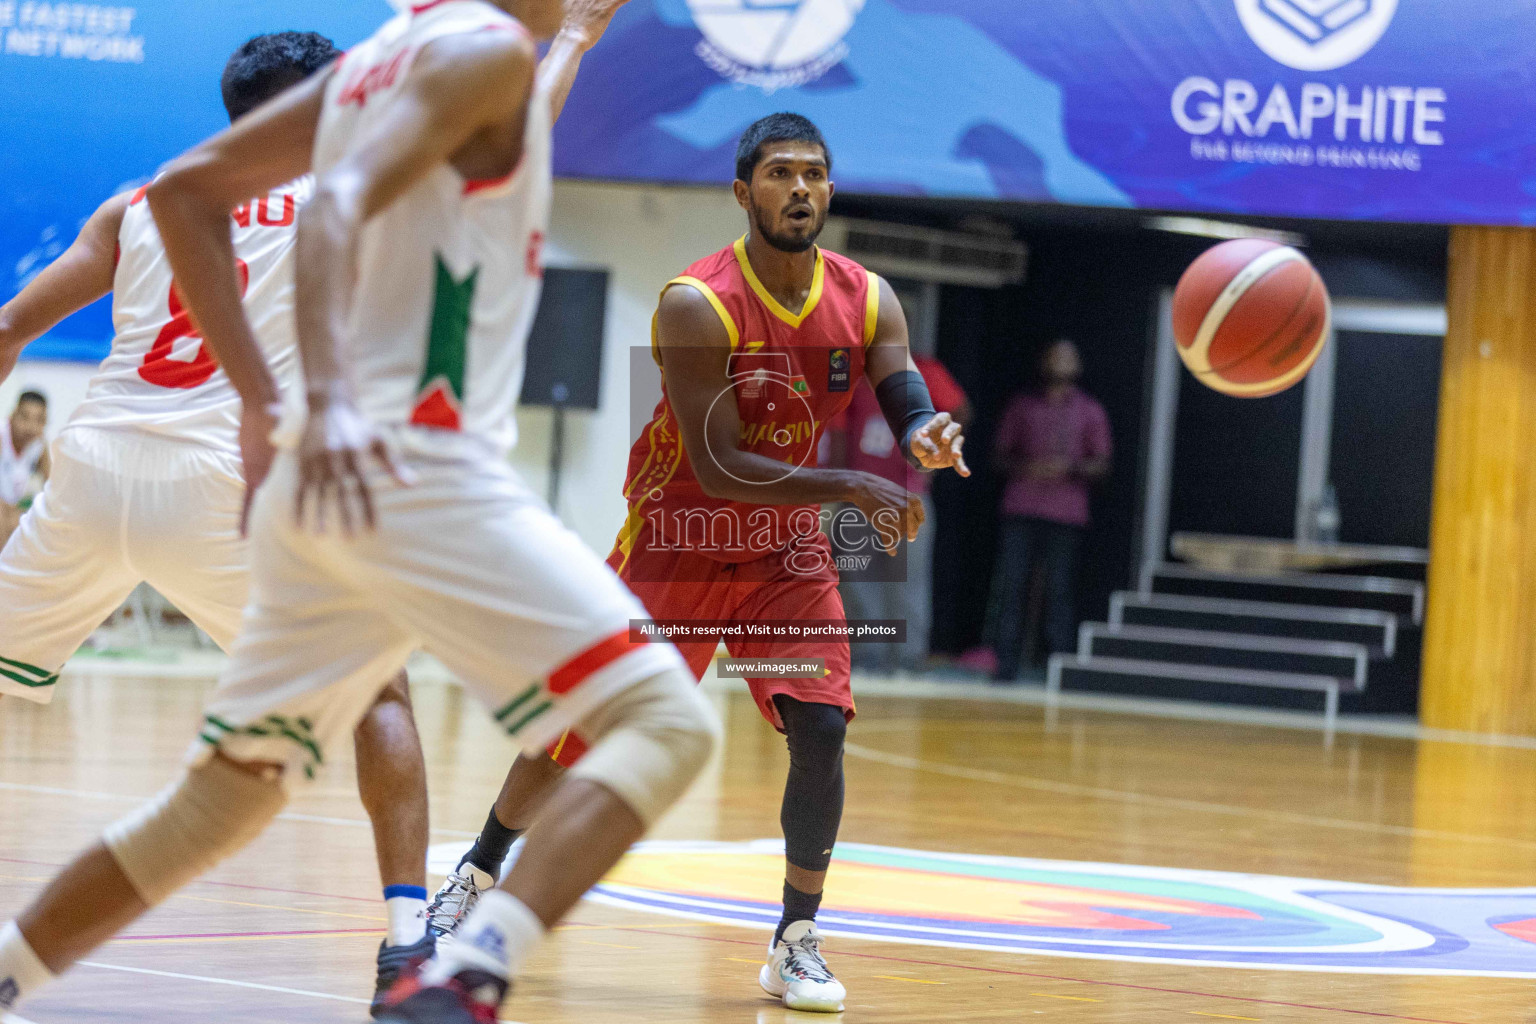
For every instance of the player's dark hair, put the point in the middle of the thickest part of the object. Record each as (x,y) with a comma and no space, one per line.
(266,65)
(783,127)
(32,396)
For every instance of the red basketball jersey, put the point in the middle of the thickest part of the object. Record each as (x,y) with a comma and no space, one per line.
(789,375)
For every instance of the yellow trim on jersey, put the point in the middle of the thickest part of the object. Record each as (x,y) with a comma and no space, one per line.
(817,280)
(650,453)
(625,542)
(714,300)
(871,308)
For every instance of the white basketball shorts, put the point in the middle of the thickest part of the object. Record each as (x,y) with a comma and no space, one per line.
(120,508)
(467,564)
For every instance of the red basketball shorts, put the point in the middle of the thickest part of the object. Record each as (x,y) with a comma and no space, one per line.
(685,585)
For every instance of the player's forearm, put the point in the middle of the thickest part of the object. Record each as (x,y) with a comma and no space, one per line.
(20,326)
(8,357)
(196,233)
(328,234)
(76,279)
(759,480)
(12,341)
(557,71)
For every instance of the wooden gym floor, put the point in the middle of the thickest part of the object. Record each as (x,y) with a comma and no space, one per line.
(287,932)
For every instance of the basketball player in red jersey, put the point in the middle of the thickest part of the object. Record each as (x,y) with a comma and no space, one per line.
(760,346)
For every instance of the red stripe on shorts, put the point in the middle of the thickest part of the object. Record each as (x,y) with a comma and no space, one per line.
(568,749)
(574,672)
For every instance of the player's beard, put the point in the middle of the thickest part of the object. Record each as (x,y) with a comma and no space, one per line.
(783,242)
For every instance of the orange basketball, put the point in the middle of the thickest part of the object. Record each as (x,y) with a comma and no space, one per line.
(1250,317)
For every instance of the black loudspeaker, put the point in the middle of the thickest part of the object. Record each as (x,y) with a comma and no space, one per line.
(565,350)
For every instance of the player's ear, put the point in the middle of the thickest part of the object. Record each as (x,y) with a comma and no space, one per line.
(743,193)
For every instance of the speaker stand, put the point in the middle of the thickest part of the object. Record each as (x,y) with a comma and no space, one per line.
(557,447)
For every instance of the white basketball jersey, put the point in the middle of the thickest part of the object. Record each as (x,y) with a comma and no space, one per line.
(449,275)
(160,376)
(17,468)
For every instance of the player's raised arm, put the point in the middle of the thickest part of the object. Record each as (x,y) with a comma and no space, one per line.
(80,276)
(695,357)
(192,200)
(929,439)
(585,22)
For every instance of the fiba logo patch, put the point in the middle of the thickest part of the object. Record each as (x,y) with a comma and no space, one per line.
(773,44)
(1316,35)
(9,990)
(837,373)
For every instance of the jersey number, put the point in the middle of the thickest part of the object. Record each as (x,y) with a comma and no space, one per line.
(160,369)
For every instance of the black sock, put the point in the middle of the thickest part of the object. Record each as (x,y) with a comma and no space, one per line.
(491,848)
(798,906)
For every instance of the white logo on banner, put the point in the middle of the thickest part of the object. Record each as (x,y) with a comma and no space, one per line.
(63,31)
(1316,35)
(773,44)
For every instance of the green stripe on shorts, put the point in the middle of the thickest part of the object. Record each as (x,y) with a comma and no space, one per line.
(30,683)
(517,702)
(513,730)
(300,733)
(32,670)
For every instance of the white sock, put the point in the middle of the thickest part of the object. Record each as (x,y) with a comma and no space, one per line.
(21,972)
(407,920)
(498,937)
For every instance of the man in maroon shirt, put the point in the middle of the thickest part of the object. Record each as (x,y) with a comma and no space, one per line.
(1053,445)
(868,445)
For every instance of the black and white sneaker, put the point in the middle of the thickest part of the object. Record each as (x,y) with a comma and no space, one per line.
(456,899)
(397,961)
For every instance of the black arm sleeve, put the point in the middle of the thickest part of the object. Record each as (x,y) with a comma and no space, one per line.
(907,405)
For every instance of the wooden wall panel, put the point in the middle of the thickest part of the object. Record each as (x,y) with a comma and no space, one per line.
(1480,635)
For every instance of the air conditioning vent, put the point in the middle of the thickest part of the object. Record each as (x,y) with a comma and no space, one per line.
(927,254)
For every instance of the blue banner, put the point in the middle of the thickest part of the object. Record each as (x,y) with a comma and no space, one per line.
(1413,110)
(94,97)
(1410,110)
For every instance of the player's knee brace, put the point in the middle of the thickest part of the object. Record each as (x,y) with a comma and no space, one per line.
(652,741)
(213,812)
(813,792)
(815,734)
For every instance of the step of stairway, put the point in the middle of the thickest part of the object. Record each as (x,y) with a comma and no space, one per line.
(1403,598)
(1374,630)
(1346,662)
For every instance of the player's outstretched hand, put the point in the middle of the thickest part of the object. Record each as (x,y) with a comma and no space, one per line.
(333,453)
(256,454)
(890,508)
(937,444)
(587,20)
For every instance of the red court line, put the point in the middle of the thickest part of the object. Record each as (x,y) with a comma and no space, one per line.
(1057,977)
(222,885)
(295,892)
(246,935)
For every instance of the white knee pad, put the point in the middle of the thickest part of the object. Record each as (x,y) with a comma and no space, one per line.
(212,812)
(653,740)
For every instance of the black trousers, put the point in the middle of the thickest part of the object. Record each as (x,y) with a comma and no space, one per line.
(1023,544)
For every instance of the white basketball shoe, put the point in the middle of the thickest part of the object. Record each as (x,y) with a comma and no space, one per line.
(797,974)
(456,899)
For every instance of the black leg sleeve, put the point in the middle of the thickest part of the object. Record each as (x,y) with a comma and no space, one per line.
(813,795)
